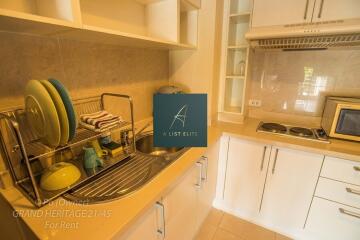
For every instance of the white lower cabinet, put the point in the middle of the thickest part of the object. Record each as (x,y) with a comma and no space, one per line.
(246,167)
(180,207)
(332,221)
(290,184)
(268,185)
(179,214)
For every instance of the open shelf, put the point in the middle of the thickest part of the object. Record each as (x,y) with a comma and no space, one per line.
(188,23)
(237,30)
(154,19)
(233,94)
(38,16)
(241,46)
(236,62)
(61,10)
(240,17)
(239,6)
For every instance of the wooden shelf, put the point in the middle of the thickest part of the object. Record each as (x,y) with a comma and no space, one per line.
(139,23)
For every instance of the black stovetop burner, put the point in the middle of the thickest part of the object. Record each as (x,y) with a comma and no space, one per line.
(293,131)
(274,127)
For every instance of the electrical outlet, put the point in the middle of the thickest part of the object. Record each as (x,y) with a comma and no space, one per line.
(255,103)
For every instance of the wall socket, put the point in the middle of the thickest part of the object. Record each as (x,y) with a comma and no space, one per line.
(255,103)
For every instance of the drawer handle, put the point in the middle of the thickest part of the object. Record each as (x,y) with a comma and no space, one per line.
(354,191)
(350,213)
(356,168)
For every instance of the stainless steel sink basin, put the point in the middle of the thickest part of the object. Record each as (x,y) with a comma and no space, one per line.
(145,144)
(128,175)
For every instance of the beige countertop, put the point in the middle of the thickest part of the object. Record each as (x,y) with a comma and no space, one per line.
(65,220)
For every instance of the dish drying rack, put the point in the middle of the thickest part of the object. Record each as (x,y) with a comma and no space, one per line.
(23,151)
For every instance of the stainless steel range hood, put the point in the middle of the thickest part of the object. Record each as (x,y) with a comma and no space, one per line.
(319,35)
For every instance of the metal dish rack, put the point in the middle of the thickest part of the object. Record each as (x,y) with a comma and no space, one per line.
(23,151)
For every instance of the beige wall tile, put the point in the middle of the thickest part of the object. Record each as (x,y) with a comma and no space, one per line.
(296,83)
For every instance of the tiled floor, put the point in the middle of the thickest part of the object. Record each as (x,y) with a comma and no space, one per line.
(222,226)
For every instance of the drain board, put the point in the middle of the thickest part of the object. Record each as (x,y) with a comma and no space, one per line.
(121,180)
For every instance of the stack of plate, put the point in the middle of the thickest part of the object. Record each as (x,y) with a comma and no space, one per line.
(50,112)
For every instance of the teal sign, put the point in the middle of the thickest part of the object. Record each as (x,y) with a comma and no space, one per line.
(180,120)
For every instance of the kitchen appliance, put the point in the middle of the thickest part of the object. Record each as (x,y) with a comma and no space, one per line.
(341,118)
(314,134)
(169,90)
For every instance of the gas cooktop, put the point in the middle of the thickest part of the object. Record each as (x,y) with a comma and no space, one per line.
(314,134)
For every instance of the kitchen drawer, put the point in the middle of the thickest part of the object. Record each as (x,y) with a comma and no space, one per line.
(327,222)
(341,170)
(344,193)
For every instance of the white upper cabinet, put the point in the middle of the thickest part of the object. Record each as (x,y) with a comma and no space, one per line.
(289,188)
(245,176)
(277,12)
(280,12)
(327,10)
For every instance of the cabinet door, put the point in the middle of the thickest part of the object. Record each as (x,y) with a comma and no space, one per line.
(280,12)
(289,188)
(327,10)
(144,228)
(206,193)
(332,221)
(245,176)
(180,207)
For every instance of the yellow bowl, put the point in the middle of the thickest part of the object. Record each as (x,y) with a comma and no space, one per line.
(59,175)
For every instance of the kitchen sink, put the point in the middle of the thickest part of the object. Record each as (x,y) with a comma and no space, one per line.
(128,175)
(145,144)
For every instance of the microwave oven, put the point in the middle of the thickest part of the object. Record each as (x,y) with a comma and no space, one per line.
(341,118)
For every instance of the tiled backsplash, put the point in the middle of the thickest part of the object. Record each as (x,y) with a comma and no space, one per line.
(86,69)
(296,83)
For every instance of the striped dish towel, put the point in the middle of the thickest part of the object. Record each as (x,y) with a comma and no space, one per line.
(99,121)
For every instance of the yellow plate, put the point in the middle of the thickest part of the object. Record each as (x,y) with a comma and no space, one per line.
(59,176)
(41,113)
(61,111)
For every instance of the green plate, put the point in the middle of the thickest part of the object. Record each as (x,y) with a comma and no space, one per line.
(61,111)
(41,113)
(68,106)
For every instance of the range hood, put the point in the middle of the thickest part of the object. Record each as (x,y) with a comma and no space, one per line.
(318,35)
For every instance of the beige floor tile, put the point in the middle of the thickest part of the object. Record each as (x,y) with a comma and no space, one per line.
(282,237)
(214,217)
(206,232)
(245,229)
(225,235)
(233,224)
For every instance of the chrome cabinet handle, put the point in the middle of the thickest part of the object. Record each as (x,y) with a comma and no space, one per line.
(321,8)
(350,213)
(263,159)
(306,9)
(356,168)
(275,159)
(200,166)
(354,191)
(206,161)
(161,230)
